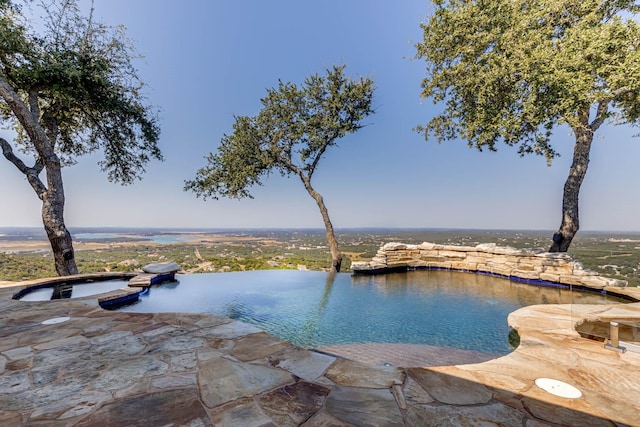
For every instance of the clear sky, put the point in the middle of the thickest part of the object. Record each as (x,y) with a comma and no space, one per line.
(206,61)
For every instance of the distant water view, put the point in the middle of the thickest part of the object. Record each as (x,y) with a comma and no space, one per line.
(174,235)
(159,235)
(156,238)
(613,254)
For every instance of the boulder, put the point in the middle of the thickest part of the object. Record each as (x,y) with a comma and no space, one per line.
(161,268)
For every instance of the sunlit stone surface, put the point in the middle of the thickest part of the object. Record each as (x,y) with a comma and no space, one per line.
(509,262)
(112,369)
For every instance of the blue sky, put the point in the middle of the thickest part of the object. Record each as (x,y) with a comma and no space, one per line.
(208,60)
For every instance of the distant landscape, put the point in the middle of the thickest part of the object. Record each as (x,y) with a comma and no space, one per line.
(25,252)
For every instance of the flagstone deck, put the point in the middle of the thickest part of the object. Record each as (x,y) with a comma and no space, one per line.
(101,368)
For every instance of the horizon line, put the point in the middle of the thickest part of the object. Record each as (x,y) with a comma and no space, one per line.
(407,228)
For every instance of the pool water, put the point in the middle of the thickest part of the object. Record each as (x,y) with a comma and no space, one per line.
(309,309)
(76,290)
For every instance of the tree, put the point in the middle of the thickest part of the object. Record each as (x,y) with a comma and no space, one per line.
(290,134)
(513,70)
(67,92)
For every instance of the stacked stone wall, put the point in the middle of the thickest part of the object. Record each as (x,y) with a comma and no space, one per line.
(515,264)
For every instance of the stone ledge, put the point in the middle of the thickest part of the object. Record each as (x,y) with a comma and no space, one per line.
(138,284)
(528,265)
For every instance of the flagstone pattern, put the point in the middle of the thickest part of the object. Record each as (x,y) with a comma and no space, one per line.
(105,368)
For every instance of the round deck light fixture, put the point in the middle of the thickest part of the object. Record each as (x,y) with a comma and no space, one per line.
(558,388)
(55,320)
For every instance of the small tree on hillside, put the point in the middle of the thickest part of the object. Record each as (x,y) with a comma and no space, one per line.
(68,92)
(290,134)
(512,70)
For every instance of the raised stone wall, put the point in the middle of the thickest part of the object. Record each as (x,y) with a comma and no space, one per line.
(516,264)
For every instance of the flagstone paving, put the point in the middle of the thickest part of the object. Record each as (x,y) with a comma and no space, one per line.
(103,368)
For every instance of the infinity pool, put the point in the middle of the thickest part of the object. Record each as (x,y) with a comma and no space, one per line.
(440,308)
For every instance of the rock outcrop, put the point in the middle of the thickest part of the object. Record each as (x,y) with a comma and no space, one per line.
(528,265)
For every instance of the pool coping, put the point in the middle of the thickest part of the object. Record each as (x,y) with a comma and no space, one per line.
(207,360)
(138,284)
(533,266)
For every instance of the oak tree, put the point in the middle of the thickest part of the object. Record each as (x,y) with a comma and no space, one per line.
(512,71)
(290,134)
(68,87)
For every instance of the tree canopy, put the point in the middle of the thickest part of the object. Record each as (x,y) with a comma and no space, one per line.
(68,87)
(79,79)
(290,134)
(511,71)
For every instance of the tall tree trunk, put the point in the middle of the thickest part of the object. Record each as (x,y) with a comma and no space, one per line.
(570,220)
(336,255)
(53,220)
(52,195)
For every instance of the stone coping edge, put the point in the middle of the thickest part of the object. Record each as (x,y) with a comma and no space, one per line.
(107,300)
(531,266)
(30,285)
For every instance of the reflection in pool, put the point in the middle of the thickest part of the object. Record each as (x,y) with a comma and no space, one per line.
(309,309)
(71,290)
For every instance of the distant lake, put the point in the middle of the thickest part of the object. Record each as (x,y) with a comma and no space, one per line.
(158,235)
(517,238)
(156,238)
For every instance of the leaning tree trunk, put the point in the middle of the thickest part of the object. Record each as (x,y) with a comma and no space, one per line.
(336,255)
(52,195)
(570,220)
(53,220)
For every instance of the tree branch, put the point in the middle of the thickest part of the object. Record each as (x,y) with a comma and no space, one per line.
(601,116)
(51,126)
(32,127)
(314,164)
(603,107)
(300,172)
(38,166)
(33,104)
(7,151)
(621,91)
(30,173)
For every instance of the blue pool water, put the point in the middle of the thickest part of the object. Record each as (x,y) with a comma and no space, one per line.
(440,308)
(78,290)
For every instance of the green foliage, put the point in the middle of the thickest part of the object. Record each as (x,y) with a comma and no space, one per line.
(294,128)
(511,70)
(12,40)
(214,258)
(78,78)
(612,255)
(514,339)
(17,267)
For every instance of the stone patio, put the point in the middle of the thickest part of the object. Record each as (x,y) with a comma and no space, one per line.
(102,368)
